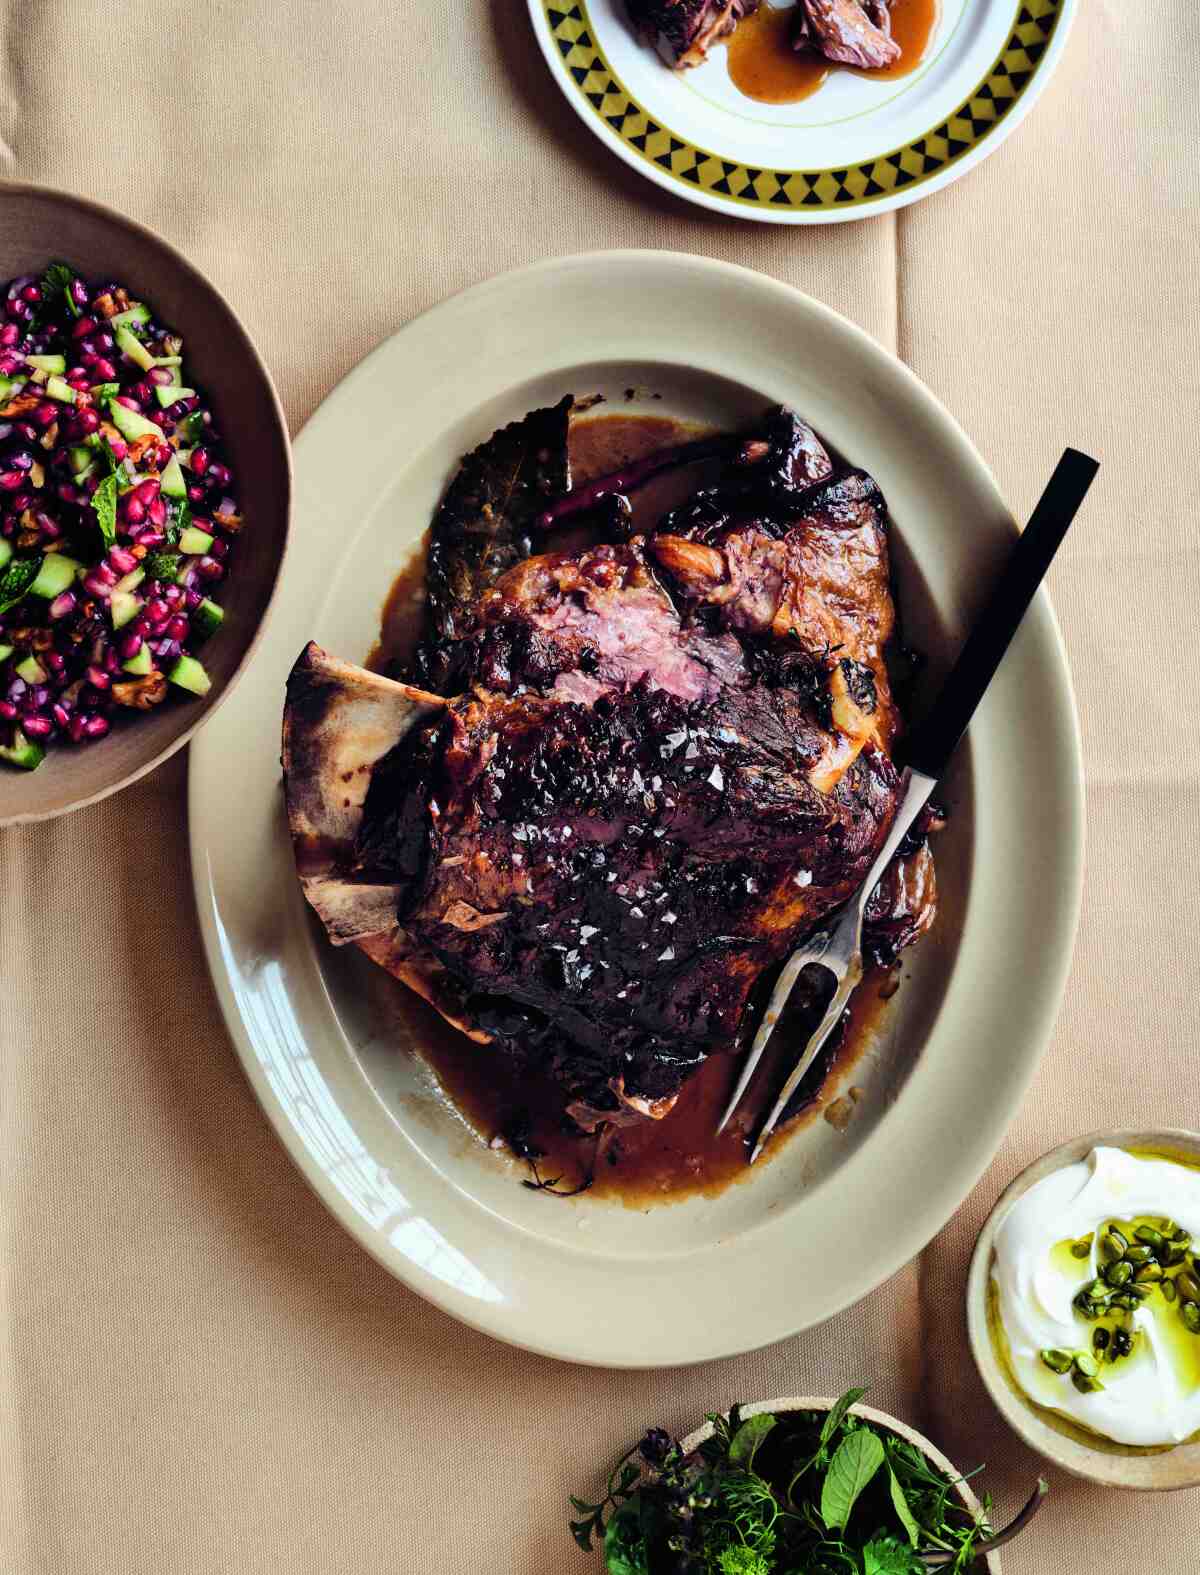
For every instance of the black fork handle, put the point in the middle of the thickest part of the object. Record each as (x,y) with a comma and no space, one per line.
(932,742)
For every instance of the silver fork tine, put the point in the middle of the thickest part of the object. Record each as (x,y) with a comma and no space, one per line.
(811,952)
(845,989)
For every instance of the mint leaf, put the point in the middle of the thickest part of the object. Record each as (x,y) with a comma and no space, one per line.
(181,519)
(837,1413)
(57,280)
(886,1556)
(15,579)
(748,1437)
(859,1457)
(900,1505)
(161,565)
(625,1550)
(104,501)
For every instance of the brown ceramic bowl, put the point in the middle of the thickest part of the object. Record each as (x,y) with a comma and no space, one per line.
(38,226)
(988,1565)
(1097,1459)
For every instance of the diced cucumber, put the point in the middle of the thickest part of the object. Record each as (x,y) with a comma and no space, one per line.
(189,674)
(169,360)
(137,313)
(5,652)
(31,670)
(81,476)
(47,363)
(168,393)
(10,386)
(123,608)
(58,388)
(131,581)
(139,665)
(22,752)
(6,551)
(129,423)
(173,483)
(206,620)
(194,541)
(56,575)
(132,346)
(80,459)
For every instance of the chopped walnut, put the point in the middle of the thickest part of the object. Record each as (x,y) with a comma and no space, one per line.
(230,522)
(141,693)
(139,446)
(28,538)
(21,405)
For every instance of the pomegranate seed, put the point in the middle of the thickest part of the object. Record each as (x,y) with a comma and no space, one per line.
(87,421)
(88,359)
(124,399)
(45,415)
(218,549)
(85,327)
(32,294)
(149,537)
(119,448)
(63,605)
(156,611)
(75,729)
(147,491)
(61,713)
(210,569)
(122,560)
(129,645)
(10,480)
(105,371)
(157,512)
(8,711)
(21,460)
(103,341)
(96,727)
(199,461)
(48,527)
(96,587)
(106,574)
(11,361)
(192,600)
(37,726)
(177,627)
(195,494)
(159,375)
(97,677)
(111,660)
(135,509)
(173,595)
(54,660)
(9,335)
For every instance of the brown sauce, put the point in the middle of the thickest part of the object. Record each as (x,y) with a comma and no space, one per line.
(655,1161)
(764,66)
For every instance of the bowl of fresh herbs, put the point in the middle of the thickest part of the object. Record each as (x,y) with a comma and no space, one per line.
(793,1487)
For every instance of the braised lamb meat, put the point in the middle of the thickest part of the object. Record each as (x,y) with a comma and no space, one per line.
(633,775)
(851,32)
(683,30)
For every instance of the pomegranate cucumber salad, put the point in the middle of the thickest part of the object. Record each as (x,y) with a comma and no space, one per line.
(117,515)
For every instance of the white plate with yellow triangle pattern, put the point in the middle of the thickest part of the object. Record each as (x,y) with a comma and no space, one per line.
(732,134)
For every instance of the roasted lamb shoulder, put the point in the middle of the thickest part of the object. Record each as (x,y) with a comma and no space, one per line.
(665,760)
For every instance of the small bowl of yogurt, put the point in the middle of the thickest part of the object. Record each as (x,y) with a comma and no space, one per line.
(1083,1307)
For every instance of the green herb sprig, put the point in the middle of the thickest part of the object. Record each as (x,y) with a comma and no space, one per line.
(801,1493)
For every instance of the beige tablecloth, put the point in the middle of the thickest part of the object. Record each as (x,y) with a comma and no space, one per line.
(199,1372)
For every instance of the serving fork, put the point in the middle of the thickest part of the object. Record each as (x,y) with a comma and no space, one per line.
(837,946)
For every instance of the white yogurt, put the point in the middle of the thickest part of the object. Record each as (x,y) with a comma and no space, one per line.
(1149,1397)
